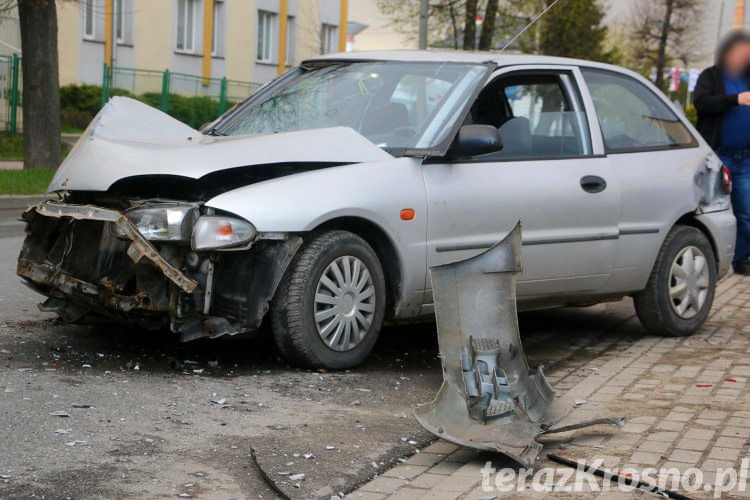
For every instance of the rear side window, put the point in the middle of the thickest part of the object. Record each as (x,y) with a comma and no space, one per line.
(632,117)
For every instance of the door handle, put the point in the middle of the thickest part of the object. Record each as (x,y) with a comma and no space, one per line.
(593,184)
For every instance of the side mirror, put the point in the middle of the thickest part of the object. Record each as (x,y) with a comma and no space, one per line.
(475,140)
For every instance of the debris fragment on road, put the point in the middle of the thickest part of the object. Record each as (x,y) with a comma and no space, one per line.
(490,399)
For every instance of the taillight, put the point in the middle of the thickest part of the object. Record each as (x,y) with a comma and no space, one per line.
(726,179)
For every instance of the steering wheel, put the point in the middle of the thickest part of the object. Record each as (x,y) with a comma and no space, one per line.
(404,131)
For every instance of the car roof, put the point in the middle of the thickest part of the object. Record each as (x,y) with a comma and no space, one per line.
(459,56)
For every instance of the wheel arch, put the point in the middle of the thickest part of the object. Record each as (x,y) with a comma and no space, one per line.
(383,246)
(690,220)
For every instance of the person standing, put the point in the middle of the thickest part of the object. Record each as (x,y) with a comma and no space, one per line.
(722,99)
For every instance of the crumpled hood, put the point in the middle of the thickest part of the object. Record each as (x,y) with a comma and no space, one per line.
(128,138)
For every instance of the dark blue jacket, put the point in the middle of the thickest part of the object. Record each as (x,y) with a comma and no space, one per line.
(711,102)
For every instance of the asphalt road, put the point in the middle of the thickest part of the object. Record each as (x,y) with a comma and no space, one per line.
(147,416)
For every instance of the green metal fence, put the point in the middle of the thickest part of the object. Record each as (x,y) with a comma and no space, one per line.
(144,82)
(10,93)
(157,88)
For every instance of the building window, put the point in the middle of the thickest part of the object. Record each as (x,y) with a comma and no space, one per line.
(266,22)
(186,25)
(88,19)
(216,40)
(329,35)
(290,39)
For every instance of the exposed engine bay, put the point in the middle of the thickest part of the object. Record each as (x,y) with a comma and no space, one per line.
(155,264)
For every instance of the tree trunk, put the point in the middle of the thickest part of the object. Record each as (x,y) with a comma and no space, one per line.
(470,25)
(454,24)
(41,84)
(661,55)
(488,27)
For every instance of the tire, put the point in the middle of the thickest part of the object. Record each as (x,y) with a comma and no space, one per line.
(668,308)
(307,292)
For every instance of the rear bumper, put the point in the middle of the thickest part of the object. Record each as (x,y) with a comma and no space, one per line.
(722,227)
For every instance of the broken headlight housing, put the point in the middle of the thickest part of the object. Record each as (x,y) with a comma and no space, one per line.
(163,222)
(217,232)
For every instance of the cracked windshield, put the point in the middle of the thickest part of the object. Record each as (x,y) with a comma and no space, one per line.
(394,105)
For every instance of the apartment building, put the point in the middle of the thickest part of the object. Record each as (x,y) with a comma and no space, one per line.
(236,39)
(239,39)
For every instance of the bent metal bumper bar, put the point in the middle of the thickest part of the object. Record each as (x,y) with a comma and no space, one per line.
(139,248)
(490,399)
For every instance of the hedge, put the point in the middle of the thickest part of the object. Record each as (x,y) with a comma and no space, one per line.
(80,103)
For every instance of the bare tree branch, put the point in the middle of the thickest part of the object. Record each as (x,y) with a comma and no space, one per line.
(660,33)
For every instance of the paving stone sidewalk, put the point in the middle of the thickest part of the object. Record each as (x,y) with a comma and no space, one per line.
(687,403)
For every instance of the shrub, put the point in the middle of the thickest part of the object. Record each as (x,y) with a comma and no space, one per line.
(79,104)
(692,114)
(74,119)
(194,111)
(86,98)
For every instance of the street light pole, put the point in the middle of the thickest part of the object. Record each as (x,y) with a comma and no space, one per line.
(423,13)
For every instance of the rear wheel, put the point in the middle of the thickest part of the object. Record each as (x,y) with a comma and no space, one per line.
(329,307)
(681,288)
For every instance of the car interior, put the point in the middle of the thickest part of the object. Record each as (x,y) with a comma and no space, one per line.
(533,114)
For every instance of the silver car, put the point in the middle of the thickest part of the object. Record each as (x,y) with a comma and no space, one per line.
(317,206)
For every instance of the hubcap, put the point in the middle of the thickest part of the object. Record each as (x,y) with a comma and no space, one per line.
(688,282)
(344,303)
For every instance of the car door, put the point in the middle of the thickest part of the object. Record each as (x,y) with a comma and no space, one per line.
(654,157)
(551,175)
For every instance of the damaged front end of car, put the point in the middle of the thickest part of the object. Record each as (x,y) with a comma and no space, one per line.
(136,233)
(153,263)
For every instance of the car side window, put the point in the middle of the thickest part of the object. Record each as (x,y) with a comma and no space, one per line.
(632,117)
(535,115)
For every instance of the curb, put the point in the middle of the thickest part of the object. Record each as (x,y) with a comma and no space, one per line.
(19,202)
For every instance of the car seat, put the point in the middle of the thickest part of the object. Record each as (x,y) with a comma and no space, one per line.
(385,119)
(516,135)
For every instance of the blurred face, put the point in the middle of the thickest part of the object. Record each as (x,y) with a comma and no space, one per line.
(737,58)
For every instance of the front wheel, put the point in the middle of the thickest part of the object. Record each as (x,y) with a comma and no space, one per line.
(681,288)
(329,307)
